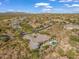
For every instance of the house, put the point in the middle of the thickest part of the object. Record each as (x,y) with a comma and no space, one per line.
(71,26)
(15,24)
(36,39)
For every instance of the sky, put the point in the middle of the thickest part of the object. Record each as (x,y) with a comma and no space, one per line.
(40,6)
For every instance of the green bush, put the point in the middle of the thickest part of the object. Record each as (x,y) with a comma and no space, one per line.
(71,54)
(61,52)
(4,38)
(35,54)
(74,38)
(26,27)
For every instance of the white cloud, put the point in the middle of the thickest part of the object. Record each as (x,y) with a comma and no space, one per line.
(43,5)
(11,10)
(73,5)
(47,10)
(52,0)
(65,0)
(67,5)
(76,10)
(68,0)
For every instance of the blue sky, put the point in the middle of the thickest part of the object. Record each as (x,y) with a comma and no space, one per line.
(40,6)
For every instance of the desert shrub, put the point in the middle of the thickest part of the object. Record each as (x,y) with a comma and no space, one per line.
(71,54)
(35,54)
(74,40)
(4,38)
(26,27)
(44,32)
(61,52)
(15,49)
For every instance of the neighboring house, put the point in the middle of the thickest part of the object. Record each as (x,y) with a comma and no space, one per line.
(15,24)
(36,39)
(71,26)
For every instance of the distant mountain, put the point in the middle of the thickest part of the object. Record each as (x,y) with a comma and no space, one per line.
(12,13)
